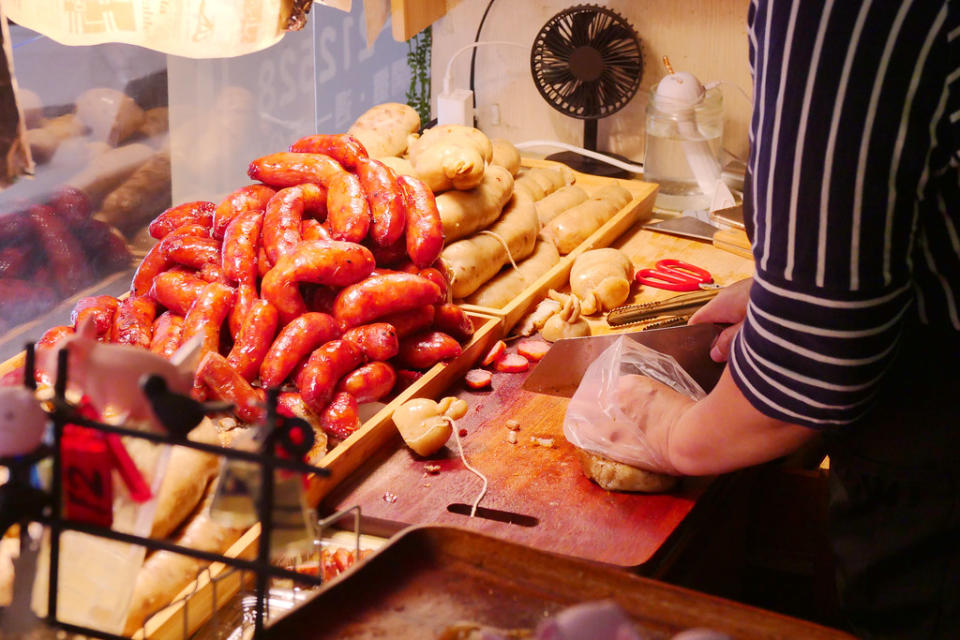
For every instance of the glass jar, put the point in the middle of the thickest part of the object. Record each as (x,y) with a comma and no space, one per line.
(675,134)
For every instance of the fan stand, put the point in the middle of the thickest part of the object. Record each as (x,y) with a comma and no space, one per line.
(584,164)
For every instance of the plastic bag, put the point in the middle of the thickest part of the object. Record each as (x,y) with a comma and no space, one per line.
(595,421)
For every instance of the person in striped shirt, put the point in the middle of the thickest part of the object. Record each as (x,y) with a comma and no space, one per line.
(850,327)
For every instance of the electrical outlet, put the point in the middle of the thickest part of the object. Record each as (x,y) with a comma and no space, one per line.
(494,115)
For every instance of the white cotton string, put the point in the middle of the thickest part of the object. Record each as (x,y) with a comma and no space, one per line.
(483,491)
(506,247)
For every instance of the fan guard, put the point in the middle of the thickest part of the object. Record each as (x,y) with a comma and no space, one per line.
(586,63)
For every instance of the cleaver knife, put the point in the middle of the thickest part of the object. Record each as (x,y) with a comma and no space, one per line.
(559,372)
(733,240)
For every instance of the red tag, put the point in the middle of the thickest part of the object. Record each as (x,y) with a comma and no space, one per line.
(87,484)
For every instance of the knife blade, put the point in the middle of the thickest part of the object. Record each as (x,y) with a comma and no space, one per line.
(559,372)
(731,240)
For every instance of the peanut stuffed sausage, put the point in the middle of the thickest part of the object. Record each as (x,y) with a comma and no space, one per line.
(199,212)
(341,416)
(253,197)
(256,334)
(383,294)
(559,201)
(326,365)
(348,212)
(133,322)
(287,169)
(423,350)
(227,384)
(97,309)
(176,291)
(424,227)
(295,342)
(369,382)
(156,260)
(385,196)
(167,330)
(241,242)
(464,212)
(378,341)
(207,313)
(342,147)
(332,263)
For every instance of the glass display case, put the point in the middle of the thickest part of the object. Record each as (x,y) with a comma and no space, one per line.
(118,133)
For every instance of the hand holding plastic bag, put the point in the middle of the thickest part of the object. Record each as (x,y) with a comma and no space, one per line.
(615,401)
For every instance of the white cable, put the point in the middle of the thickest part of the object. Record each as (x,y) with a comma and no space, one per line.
(529,144)
(483,490)
(448,74)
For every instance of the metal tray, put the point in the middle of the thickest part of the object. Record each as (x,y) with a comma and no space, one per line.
(431,577)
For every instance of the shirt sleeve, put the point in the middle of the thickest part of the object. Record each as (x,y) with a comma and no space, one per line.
(848,101)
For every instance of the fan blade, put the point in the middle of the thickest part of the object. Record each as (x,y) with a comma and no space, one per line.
(580,28)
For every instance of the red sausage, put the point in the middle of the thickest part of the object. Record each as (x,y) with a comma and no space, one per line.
(133,322)
(332,263)
(512,363)
(409,322)
(98,309)
(156,260)
(176,291)
(378,340)
(49,340)
(253,197)
(348,213)
(383,294)
(256,333)
(342,147)
(423,350)
(71,204)
(190,251)
(388,256)
(105,247)
(226,384)
(263,261)
(64,253)
(478,378)
(313,229)
(424,228)
(286,169)
(369,382)
(241,243)
(167,330)
(246,296)
(281,223)
(314,201)
(211,272)
(22,300)
(295,342)
(386,201)
(453,320)
(198,212)
(207,313)
(435,276)
(14,262)
(341,417)
(323,370)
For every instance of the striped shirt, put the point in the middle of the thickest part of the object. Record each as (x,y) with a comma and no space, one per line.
(853,195)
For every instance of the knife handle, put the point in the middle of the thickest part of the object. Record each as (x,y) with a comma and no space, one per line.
(630,313)
(733,241)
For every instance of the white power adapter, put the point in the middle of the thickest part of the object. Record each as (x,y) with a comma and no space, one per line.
(455,107)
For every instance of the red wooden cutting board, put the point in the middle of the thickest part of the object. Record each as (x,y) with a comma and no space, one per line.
(544,485)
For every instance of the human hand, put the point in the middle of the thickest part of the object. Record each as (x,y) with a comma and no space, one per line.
(652,408)
(728,307)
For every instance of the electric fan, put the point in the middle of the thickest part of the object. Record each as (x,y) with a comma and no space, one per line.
(586,63)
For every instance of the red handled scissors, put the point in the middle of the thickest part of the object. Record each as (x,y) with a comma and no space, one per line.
(676,275)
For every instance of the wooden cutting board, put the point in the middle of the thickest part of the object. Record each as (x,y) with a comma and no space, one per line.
(557,508)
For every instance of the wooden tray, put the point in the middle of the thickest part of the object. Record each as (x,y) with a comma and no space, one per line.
(429,578)
(639,209)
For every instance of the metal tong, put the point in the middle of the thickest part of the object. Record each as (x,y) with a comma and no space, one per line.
(631,313)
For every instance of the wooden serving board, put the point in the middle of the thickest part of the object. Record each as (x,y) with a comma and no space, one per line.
(639,209)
